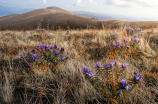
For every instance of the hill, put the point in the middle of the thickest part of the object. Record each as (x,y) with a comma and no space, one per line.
(50,17)
(56,18)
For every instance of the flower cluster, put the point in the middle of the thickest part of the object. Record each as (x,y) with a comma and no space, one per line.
(134,39)
(129,29)
(118,45)
(125,40)
(137,78)
(138,29)
(43,53)
(124,85)
(133,29)
(87,71)
(34,57)
(111,64)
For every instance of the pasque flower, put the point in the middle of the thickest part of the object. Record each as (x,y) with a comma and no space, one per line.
(154,45)
(124,65)
(106,65)
(112,64)
(30,64)
(137,78)
(87,71)
(66,57)
(55,46)
(98,65)
(113,44)
(57,52)
(42,46)
(40,55)
(62,58)
(125,85)
(21,56)
(119,45)
(62,49)
(34,57)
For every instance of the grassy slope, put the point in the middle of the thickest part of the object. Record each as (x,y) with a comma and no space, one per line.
(70,85)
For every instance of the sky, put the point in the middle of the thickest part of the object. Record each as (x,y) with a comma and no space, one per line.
(137,8)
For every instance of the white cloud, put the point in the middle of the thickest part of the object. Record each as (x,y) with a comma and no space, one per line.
(132,3)
(79,3)
(92,2)
(44,1)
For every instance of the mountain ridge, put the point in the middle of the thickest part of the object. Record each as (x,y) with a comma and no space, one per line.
(51,17)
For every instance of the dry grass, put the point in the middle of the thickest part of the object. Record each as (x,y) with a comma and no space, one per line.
(85,48)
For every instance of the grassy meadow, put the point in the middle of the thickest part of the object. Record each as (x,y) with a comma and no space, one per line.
(118,66)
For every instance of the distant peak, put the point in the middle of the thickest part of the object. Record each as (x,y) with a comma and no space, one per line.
(53,7)
(56,9)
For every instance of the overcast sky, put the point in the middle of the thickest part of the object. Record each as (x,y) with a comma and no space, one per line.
(138,8)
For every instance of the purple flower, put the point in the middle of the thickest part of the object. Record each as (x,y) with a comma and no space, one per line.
(108,48)
(48,36)
(124,65)
(127,28)
(106,65)
(34,57)
(55,46)
(66,57)
(120,91)
(57,52)
(98,65)
(125,85)
(135,35)
(33,50)
(28,53)
(46,46)
(87,71)
(112,64)
(21,56)
(138,29)
(62,59)
(132,29)
(40,55)
(37,46)
(135,40)
(125,40)
(48,49)
(138,78)
(90,74)
(62,49)
(154,45)
(119,45)
(51,47)
(113,44)
(132,38)
(30,64)
(123,82)
(42,46)
(22,64)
